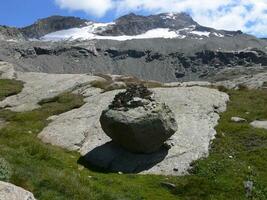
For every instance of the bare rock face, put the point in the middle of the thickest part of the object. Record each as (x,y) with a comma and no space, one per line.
(12,192)
(137,122)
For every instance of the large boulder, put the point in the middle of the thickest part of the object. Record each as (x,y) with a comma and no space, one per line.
(12,192)
(137,122)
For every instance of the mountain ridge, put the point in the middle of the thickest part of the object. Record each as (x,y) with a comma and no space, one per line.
(168,47)
(166,25)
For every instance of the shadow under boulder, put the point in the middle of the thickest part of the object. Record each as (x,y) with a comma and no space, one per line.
(110,157)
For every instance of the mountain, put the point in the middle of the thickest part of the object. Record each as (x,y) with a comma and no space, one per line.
(52,24)
(166,47)
(132,26)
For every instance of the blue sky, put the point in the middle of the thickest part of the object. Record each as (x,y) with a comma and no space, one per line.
(24,12)
(247,15)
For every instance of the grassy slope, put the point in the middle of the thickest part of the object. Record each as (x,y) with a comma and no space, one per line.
(237,155)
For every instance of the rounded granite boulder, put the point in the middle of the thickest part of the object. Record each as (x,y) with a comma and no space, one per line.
(137,122)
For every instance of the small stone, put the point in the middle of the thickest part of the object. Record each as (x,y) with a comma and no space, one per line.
(168,185)
(248,188)
(231,157)
(238,119)
(80,167)
(120,173)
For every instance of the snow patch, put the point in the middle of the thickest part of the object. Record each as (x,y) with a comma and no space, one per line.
(89,33)
(218,34)
(169,16)
(201,33)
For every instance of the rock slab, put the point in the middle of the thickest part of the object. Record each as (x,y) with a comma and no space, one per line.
(196,112)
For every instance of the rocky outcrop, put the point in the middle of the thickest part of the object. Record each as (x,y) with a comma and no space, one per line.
(137,122)
(9,33)
(133,24)
(7,71)
(195,109)
(257,81)
(73,51)
(52,24)
(160,60)
(38,86)
(12,192)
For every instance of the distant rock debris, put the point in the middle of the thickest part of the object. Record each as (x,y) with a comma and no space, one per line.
(257,81)
(137,122)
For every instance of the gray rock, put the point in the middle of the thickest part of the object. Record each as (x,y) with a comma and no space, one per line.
(238,119)
(141,129)
(248,185)
(12,192)
(168,185)
(195,108)
(7,71)
(11,34)
(195,113)
(154,59)
(39,86)
(259,124)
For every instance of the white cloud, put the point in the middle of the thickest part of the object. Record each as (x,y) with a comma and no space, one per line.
(93,7)
(246,15)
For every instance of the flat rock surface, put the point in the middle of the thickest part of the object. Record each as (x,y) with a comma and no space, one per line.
(39,86)
(259,124)
(12,192)
(195,111)
(7,71)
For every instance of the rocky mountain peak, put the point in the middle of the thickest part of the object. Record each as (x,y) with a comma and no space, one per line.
(52,24)
(133,24)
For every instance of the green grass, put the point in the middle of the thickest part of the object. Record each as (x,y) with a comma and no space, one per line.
(237,154)
(9,87)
